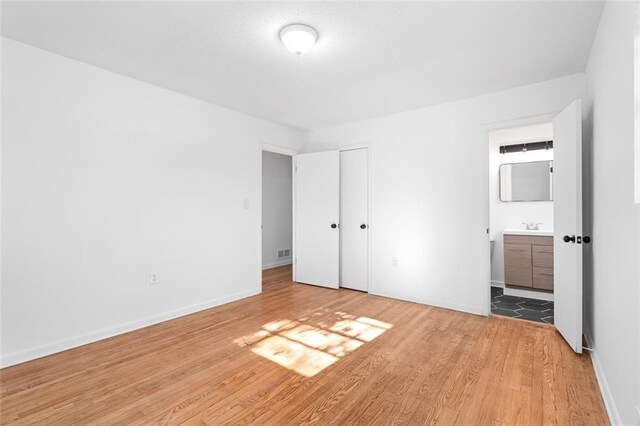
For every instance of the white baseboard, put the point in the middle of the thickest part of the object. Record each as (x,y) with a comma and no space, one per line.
(276,264)
(430,302)
(73,342)
(497,284)
(609,403)
(532,294)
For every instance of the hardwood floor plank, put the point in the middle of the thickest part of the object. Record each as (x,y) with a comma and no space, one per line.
(299,354)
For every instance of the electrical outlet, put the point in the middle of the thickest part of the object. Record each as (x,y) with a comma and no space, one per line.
(245,204)
(154,279)
(394,261)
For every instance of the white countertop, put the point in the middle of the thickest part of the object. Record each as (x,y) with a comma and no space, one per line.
(538,233)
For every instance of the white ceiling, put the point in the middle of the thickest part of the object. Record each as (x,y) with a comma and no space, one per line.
(371,58)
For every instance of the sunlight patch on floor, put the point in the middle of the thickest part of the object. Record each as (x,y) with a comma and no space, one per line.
(309,345)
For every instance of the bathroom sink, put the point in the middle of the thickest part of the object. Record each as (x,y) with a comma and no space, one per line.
(538,232)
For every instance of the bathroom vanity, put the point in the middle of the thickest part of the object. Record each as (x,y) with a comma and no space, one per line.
(528,259)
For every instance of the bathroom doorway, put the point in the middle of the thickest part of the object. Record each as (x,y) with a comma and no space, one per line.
(521,222)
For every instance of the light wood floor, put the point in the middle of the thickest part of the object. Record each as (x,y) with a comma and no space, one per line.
(302,354)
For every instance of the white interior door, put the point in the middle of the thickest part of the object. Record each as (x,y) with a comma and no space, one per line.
(567,217)
(354,222)
(317,214)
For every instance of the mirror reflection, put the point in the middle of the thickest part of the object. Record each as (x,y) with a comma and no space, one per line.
(531,181)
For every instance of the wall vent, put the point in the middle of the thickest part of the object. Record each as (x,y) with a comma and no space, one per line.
(281,254)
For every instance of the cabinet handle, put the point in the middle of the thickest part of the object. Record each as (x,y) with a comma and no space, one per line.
(514,249)
(545,273)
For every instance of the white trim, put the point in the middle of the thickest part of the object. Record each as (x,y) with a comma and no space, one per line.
(531,294)
(432,302)
(607,397)
(278,149)
(277,264)
(294,175)
(291,153)
(94,336)
(521,122)
(489,127)
(497,284)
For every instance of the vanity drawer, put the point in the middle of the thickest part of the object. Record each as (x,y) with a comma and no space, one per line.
(517,260)
(543,278)
(528,239)
(542,256)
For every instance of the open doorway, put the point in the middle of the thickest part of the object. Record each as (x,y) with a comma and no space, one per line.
(521,222)
(277,216)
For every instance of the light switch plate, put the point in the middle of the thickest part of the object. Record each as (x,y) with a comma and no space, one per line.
(154,279)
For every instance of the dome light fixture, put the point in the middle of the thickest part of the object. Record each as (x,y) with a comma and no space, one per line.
(298,38)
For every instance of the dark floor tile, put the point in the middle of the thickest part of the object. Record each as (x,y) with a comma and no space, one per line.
(532,306)
(532,315)
(535,302)
(511,299)
(507,305)
(505,313)
(521,307)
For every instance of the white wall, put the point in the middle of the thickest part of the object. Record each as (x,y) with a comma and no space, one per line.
(510,215)
(106,180)
(613,303)
(430,190)
(276,208)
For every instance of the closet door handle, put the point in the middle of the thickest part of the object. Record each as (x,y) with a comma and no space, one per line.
(567,238)
(363,226)
(334,226)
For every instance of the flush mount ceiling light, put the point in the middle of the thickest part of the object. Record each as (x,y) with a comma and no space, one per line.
(298,38)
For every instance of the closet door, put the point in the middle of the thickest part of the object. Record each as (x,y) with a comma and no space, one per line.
(354,221)
(317,205)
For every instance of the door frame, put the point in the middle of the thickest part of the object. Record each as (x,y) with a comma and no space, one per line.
(487,128)
(369,147)
(276,149)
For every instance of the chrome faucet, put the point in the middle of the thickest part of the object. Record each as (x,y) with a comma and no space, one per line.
(532,226)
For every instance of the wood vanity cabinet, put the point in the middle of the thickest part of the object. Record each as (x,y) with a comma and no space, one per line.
(528,261)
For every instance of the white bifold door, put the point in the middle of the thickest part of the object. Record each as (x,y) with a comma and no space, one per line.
(331,219)
(354,223)
(317,219)
(568,238)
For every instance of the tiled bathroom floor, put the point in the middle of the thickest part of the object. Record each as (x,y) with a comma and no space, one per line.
(521,307)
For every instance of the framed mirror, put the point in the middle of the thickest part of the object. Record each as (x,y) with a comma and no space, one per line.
(531,181)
